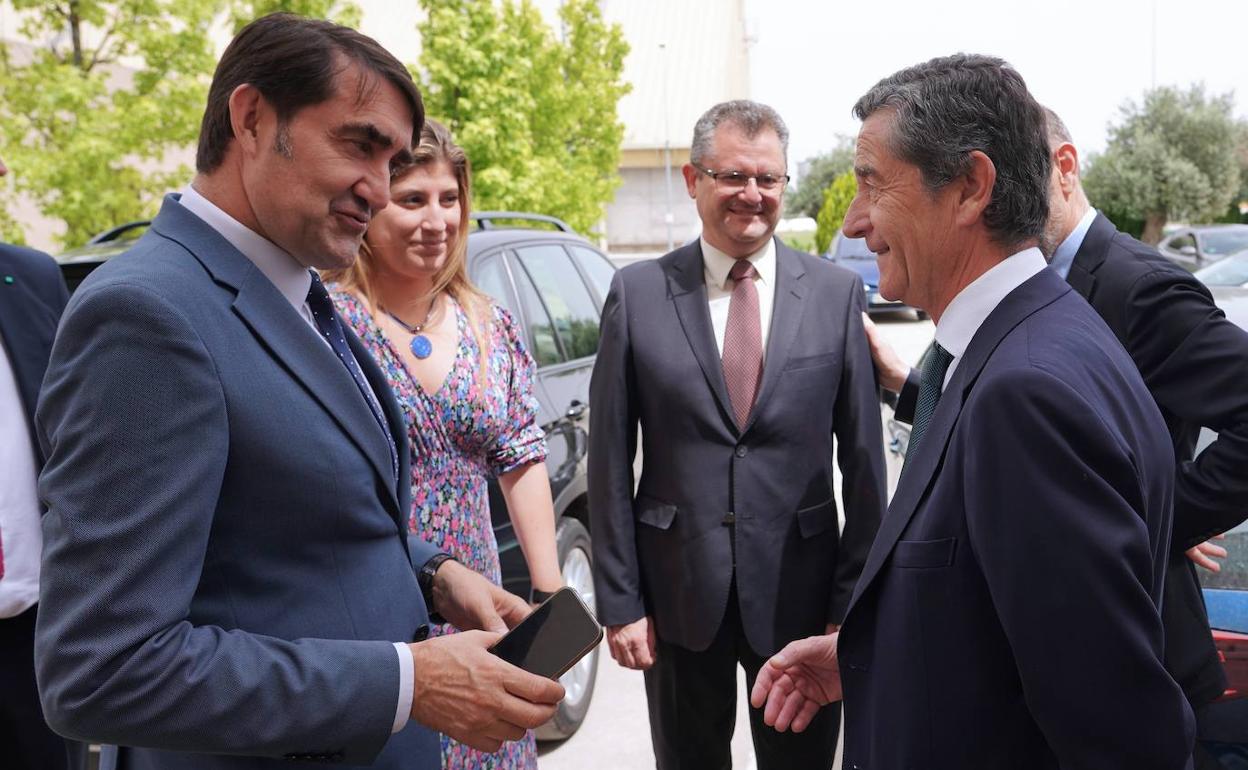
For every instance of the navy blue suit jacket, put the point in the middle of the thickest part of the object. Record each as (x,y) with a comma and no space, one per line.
(1007,615)
(30,306)
(226,560)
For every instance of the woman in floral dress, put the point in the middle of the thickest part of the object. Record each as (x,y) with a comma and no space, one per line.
(460,371)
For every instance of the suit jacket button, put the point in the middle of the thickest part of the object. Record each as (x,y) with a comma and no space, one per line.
(422,633)
(742,451)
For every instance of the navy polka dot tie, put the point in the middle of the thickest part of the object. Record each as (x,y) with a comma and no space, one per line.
(931,383)
(328,324)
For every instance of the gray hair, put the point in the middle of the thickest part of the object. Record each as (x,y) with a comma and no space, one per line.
(751,117)
(1058,133)
(948,107)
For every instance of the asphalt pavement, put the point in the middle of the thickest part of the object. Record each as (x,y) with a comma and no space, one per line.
(616,732)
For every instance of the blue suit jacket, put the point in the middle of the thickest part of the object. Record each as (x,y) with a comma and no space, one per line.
(226,560)
(30,306)
(1007,615)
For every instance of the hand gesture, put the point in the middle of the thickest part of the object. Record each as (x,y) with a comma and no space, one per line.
(890,370)
(632,644)
(1207,554)
(474,696)
(797,681)
(468,601)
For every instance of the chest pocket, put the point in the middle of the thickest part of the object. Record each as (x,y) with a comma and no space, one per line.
(924,554)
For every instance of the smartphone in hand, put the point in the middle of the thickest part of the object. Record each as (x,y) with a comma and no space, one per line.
(558,633)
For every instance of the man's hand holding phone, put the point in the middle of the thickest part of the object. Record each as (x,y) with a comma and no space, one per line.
(474,696)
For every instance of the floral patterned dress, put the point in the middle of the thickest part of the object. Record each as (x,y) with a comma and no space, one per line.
(478,425)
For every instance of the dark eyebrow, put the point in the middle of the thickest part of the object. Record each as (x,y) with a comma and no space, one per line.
(864,171)
(366,131)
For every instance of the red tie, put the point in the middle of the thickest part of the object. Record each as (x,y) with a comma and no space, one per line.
(743,342)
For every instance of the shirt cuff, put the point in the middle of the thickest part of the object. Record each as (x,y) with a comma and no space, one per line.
(403,711)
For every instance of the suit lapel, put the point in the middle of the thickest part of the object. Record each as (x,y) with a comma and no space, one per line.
(686,283)
(1091,253)
(786,318)
(1038,291)
(285,334)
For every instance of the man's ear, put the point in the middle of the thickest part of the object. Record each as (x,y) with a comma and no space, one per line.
(974,188)
(691,179)
(1066,163)
(246,110)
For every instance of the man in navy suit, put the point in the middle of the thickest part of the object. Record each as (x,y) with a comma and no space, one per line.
(1008,614)
(32,296)
(228,577)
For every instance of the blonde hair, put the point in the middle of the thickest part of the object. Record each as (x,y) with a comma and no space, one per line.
(435,146)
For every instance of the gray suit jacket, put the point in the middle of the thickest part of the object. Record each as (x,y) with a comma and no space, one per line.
(666,551)
(226,559)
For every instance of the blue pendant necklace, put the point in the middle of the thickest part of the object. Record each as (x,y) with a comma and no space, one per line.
(420,345)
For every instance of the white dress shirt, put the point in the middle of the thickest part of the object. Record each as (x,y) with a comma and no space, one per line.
(719,287)
(293,280)
(972,306)
(1064,255)
(20,529)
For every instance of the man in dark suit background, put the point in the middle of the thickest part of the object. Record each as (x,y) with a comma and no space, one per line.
(228,576)
(1194,362)
(32,296)
(740,359)
(1008,614)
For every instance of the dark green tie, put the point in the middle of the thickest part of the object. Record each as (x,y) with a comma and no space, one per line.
(931,383)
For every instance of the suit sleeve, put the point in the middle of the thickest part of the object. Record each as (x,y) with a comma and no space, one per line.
(133,420)
(1195,363)
(860,453)
(613,446)
(1051,509)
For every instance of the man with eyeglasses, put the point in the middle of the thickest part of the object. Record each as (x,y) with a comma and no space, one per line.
(740,360)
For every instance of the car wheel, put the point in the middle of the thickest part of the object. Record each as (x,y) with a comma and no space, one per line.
(572,541)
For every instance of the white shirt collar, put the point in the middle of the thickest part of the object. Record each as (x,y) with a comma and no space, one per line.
(290,277)
(718,264)
(1064,255)
(972,306)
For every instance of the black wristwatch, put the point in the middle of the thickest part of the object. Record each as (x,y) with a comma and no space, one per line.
(424,579)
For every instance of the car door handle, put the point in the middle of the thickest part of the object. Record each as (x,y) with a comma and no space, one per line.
(576,410)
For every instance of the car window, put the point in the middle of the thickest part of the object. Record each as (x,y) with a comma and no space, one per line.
(566,298)
(490,276)
(542,339)
(1223,242)
(1232,271)
(597,267)
(1179,241)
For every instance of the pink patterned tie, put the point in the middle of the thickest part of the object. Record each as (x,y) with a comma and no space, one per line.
(743,342)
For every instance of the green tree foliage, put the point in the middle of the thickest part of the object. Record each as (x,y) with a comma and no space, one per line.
(836,200)
(80,134)
(535,113)
(347,14)
(1173,156)
(807,198)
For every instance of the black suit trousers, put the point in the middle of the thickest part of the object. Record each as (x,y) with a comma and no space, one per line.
(26,741)
(692,697)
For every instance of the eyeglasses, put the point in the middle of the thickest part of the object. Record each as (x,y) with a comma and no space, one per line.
(735,181)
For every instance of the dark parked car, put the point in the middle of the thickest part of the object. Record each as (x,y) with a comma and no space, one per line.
(1196,247)
(852,253)
(554,282)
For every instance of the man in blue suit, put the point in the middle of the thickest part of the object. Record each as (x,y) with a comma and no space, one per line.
(1008,613)
(228,578)
(32,296)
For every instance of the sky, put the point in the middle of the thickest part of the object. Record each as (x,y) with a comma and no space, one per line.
(812,60)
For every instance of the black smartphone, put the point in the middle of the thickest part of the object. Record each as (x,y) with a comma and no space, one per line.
(558,633)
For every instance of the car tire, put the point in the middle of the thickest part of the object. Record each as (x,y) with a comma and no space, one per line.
(575,561)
